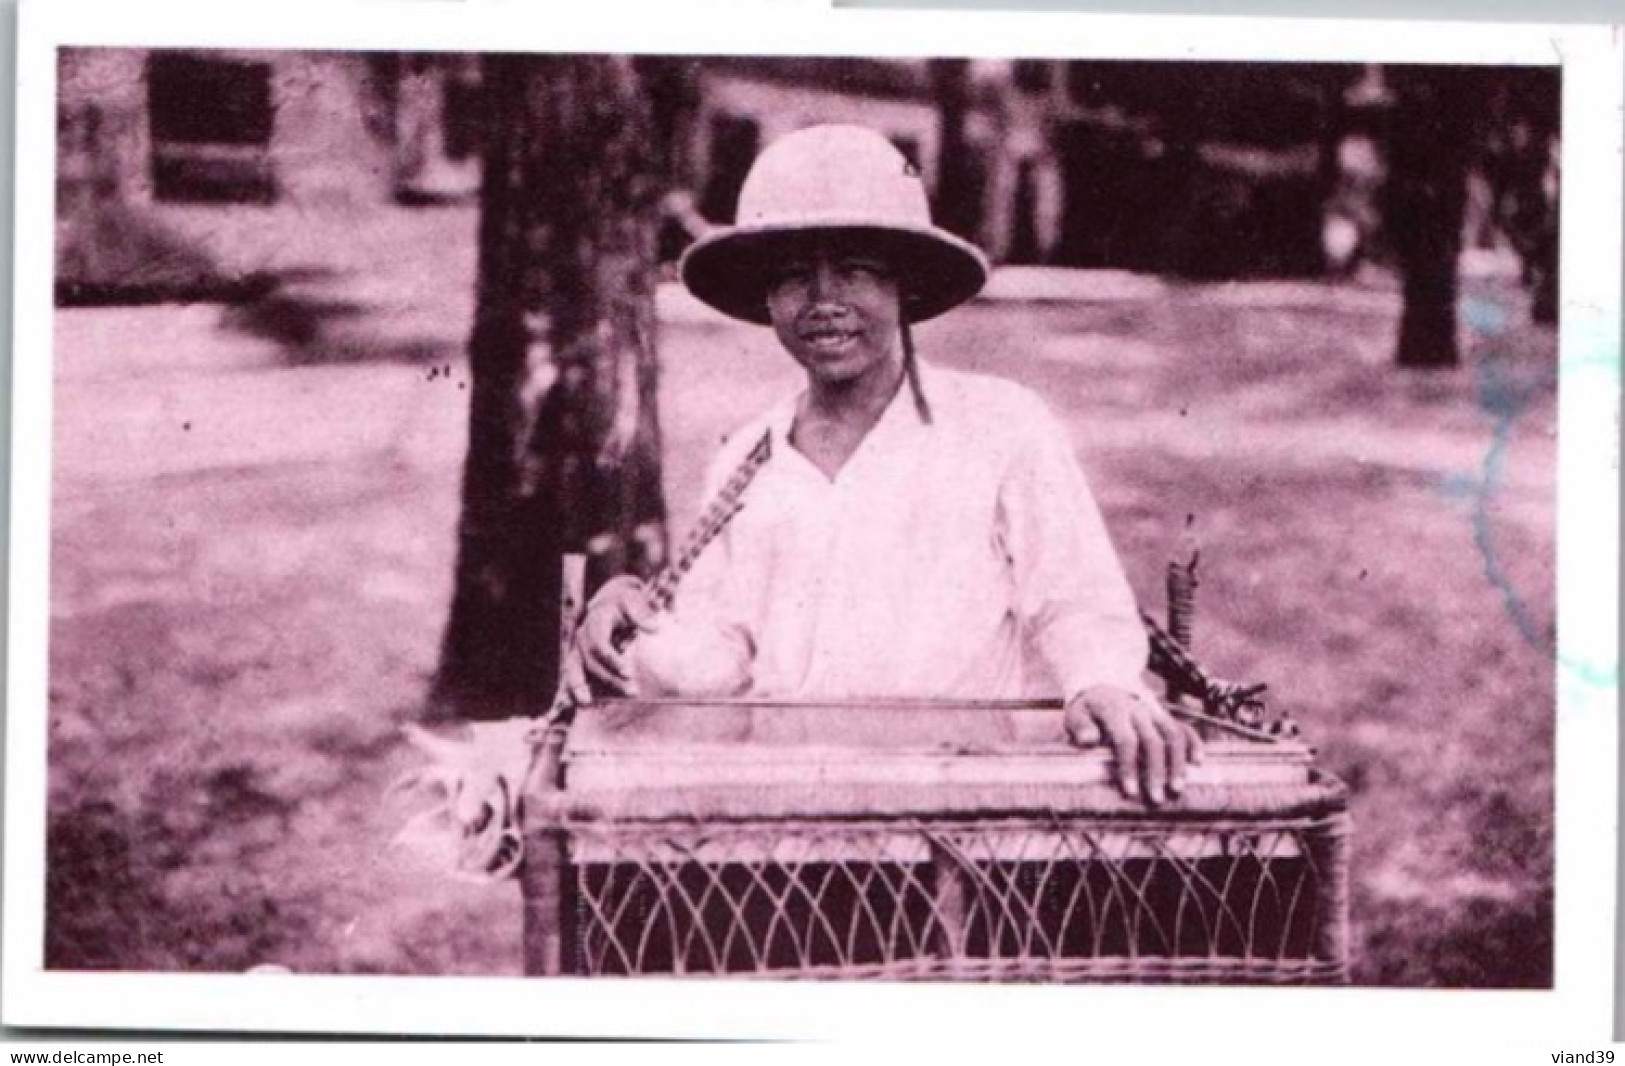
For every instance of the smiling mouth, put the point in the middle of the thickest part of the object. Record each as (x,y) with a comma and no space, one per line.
(828,340)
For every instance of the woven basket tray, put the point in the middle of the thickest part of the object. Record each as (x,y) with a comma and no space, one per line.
(906,840)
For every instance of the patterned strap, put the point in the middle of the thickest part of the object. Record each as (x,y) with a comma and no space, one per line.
(729,501)
(1224,701)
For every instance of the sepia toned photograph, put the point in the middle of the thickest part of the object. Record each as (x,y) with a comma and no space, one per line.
(938,518)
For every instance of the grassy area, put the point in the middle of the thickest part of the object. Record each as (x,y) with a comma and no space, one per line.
(253,548)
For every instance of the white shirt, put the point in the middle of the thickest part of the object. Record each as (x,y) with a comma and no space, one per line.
(965,558)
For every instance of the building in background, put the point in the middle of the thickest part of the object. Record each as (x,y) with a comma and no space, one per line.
(1198,169)
(153,147)
(228,127)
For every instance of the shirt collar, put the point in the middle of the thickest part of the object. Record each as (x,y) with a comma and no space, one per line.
(897,422)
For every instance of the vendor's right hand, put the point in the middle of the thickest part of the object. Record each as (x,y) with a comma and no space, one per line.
(619,610)
(1152,749)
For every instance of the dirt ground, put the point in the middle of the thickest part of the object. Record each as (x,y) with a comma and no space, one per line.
(253,523)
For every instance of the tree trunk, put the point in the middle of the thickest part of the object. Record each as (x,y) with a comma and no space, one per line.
(1432,131)
(563,436)
(958,206)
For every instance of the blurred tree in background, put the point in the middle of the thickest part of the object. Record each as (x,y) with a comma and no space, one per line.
(1519,160)
(1444,124)
(1225,170)
(957,208)
(1204,170)
(564,441)
(1433,129)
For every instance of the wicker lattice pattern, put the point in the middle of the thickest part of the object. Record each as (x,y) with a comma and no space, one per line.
(1026,898)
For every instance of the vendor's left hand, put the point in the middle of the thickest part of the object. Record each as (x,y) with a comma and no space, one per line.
(1153,750)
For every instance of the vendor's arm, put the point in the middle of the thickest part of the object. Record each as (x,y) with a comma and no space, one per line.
(698,648)
(1079,612)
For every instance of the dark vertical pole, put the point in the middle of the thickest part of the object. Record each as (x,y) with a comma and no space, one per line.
(547,882)
(948,906)
(545,878)
(1327,846)
(1182,605)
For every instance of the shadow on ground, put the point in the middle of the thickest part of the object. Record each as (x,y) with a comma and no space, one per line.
(314,320)
(335,291)
(112,254)
(117,887)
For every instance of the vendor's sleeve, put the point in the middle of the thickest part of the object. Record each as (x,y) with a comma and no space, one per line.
(1071,594)
(702,646)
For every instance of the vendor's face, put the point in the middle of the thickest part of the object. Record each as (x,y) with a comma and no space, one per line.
(837,311)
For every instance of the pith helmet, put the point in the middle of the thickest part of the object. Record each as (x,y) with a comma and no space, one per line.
(845,179)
